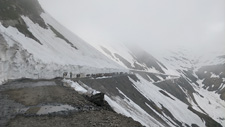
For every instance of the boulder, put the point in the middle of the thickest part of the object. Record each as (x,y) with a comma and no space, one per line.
(97,99)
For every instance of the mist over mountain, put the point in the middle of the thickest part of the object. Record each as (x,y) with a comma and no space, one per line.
(153,25)
(141,73)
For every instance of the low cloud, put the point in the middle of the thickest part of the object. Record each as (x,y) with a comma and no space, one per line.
(152,24)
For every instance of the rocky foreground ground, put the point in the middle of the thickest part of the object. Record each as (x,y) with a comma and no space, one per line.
(47,103)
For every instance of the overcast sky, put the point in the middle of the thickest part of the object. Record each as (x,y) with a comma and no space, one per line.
(152,23)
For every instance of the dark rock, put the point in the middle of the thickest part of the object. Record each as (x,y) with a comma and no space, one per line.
(97,99)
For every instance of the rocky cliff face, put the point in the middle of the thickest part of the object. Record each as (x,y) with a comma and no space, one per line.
(10,11)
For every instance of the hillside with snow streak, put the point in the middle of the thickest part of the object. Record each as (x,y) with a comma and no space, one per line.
(184,88)
(154,105)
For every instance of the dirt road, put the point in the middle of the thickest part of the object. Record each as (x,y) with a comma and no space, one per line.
(47,103)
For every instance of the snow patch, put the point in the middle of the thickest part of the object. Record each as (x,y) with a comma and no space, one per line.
(213,75)
(80,87)
(223,79)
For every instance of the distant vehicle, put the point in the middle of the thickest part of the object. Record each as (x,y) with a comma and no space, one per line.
(71,74)
(82,75)
(65,74)
(99,75)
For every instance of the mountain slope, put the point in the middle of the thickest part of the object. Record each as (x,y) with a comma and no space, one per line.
(133,58)
(33,41)
(192,89)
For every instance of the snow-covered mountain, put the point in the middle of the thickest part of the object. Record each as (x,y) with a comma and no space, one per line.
(34,45)
(170,89)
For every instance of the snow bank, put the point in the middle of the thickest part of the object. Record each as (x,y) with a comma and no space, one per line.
(80,87)
(75,86)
